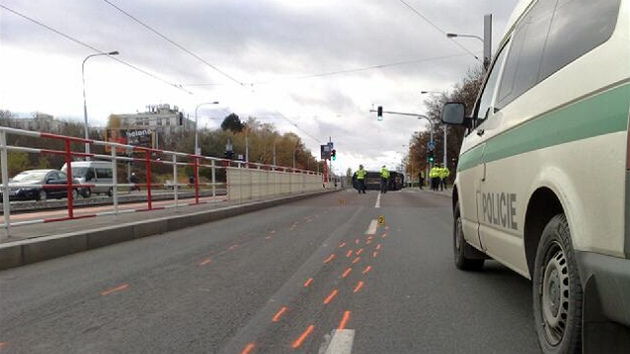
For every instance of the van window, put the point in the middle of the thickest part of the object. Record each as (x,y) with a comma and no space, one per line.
(578,26)
(104,173)
(550,36)
(487,95)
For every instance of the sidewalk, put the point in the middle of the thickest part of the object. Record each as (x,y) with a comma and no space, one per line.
(43,241)
(446,192)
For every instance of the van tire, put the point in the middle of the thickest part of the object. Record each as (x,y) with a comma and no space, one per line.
(557,291)
(462,251)
(86,192)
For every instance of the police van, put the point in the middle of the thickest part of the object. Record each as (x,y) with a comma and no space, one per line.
(98,173)
(543,177)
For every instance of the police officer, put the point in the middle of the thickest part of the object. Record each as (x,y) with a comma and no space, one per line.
(444,173)
(421,179)
(361,179)
(434,175)
(134,180)
(384,179)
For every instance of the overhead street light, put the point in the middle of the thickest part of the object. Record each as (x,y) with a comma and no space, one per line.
(486,40)
(197,152)
(453,35)
(85,114)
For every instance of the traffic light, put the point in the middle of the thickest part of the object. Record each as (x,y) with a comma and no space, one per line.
(431,156)
(333,154)
(379,112)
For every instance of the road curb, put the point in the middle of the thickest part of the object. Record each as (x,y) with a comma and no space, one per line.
(23,252)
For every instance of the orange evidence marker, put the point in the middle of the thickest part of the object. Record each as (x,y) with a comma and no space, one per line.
(358,287)
(116,289)
(330,297)
(330,258)
(344,320)
(345,274)
(308,282)
(205,261)
(248,349)
(276,318)
(298,342)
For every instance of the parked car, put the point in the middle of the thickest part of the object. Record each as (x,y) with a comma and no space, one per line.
(28,185)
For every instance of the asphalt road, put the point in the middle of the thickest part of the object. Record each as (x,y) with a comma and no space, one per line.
(289,279)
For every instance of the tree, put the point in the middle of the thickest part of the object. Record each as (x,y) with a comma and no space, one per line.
(18,162)
(465,92)
(232,123)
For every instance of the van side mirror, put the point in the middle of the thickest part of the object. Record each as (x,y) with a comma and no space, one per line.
(453,113)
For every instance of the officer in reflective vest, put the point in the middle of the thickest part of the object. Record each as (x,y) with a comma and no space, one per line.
(434,175)
(384,179)
(444,173)
(361,179)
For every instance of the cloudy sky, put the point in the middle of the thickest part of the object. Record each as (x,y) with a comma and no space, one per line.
(314,67)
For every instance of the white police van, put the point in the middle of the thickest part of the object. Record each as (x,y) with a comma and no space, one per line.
(543,177)
(98,173)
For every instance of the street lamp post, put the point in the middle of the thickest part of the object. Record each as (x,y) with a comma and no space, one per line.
(197,152)
(486,40)
(445,160)
(85,114)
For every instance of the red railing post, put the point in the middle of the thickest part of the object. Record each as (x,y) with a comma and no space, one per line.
(69,181)
(147,162)
(196,181)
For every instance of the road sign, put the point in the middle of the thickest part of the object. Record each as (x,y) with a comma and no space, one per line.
(431,145)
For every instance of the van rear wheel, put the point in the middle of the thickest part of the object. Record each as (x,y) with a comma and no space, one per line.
(557,290)
(86,192)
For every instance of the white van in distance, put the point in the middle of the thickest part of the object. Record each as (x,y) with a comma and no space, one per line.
(99,173)
(543,177)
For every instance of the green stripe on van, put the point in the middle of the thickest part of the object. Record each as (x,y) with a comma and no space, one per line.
(601,114)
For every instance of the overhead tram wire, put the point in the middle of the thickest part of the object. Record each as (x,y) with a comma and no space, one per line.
(241,84)
(348,71)
(174,43)
(178,86)
(436,27)
(93,48)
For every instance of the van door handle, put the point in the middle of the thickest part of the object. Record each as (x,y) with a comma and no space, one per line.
(480,132)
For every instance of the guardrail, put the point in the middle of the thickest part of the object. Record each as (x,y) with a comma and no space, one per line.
(242,181)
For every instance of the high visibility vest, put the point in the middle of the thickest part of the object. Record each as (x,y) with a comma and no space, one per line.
(361,174)
(385,173)
(444,172)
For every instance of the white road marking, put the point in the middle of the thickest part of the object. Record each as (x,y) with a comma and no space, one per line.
(378,201)
(341,342)
(371,230)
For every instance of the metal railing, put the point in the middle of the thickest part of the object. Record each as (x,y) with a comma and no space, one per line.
(238,181)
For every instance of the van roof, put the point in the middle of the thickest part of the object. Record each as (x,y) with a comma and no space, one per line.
(90,162)
(87,163)
(519,11)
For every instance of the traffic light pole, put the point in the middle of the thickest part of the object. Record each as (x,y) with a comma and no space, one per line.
(419,116)
(380,111)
